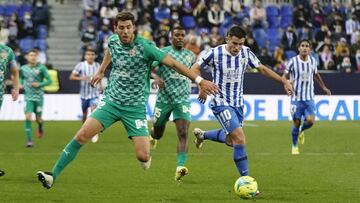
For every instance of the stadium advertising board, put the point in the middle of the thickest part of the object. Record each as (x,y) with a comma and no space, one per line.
(257,107)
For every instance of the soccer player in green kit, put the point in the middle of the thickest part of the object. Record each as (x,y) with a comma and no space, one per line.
(124,99)
(173,96)
(33,76)
(7,60)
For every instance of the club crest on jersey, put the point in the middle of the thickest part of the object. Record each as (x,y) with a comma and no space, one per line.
(37,72)
(4,55)
(132,52)
(188,58)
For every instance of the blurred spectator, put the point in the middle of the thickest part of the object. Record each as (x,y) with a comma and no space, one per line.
(4,33)
(193,46)
(289,39)
(327,59)
(301,17)
(187,7)
(324,31)
(109,10)
(251,43)
(357,60)
(279,63)
(162,30)
(258,15)
(91,5)
(41,58)
(204,39)
(89,18)
(102,36)
(26,28)
(265,58)
(232,6)
(355,46)
(162,42)
(41,13)
(89,35)
(19,56)
(345,65)
(200,14)
(216,15)
(317,15)
(338,33)
(305,33)
(351,25)
(215,37)
(342,49)
(130,8)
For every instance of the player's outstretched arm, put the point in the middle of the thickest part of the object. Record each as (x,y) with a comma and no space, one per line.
(271,74)
(101,71)
(16,85)
(322,84)
(207,86)
(202,96)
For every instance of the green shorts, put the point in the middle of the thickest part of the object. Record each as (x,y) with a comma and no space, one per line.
(162,112)
(34,107)
(133,117)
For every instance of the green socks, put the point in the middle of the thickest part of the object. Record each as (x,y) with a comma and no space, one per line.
(28,130)
(181,158)
(67,155)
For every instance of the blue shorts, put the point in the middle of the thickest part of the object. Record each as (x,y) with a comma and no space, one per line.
(229,117)
(86,103)
(302,108)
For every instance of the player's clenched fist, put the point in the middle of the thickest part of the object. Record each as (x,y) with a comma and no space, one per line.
(96,78)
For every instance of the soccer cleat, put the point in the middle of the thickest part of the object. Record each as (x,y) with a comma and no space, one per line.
(153,142)
(301,138)
(199,140)
(29,144)
(95,138)
(181,171)
(2,173)
(46,178)
(146,165)
(40,132)
(295,150)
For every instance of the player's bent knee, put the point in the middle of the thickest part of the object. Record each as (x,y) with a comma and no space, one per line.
(82,136)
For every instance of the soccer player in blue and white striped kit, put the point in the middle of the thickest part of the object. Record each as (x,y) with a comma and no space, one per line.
(83,72)
(302,69)
(229,62)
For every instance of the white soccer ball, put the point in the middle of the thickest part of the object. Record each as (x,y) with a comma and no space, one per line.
(246,187)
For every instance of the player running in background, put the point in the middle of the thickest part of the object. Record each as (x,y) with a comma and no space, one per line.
(229,62)
(125,97)
(302,69)
(173,97)
(33,77)
(83,72)
(7,61)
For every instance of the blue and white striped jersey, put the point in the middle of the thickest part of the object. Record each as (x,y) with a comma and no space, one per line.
(228,73)
(84,69)
(302,75)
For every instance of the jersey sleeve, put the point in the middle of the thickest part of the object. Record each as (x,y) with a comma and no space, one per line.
(206,60)
(12,59)
(253,62)
(47,77)
(315,65)
(77,69)
(289,66)
(153,53)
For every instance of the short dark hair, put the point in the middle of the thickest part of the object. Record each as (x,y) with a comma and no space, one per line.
(236,31)
(35,50)
(90,50)
(124,16)
(304,40)
(177,28)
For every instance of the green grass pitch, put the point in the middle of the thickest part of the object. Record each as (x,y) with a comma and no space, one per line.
(327,169)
